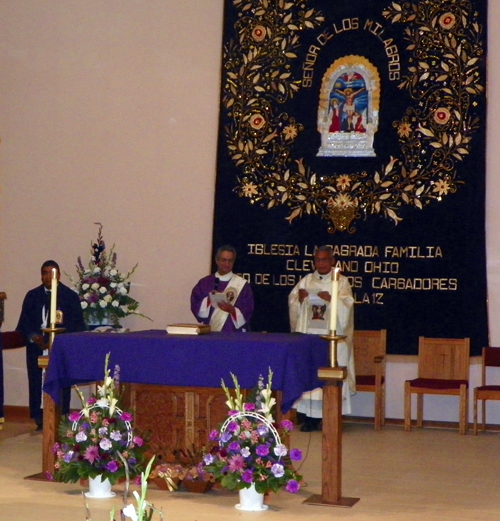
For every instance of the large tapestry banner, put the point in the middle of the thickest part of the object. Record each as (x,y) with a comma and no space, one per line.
(360,125)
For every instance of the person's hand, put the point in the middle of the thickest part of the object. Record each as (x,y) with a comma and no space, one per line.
(303,294)
(325,295)
(228,308)
(37,339)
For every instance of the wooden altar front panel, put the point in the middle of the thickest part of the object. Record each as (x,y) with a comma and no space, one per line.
(181,417)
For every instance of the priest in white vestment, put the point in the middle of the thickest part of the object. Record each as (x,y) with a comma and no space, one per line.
(309,308)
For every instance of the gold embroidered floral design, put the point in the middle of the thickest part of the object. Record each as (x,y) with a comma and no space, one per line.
(445,43)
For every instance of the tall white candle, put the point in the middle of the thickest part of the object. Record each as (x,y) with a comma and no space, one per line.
(334,301)
(53,297)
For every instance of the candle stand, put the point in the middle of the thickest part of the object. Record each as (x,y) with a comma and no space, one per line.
(51,414)
(331,471)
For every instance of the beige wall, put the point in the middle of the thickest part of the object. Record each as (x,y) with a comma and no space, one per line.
(108,113)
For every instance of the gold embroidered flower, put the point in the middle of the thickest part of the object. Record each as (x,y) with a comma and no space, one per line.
(342,201)
(290,132)
(447,21)
(404,129)
(259,33)
(249,189)
(343,182)
(257,121)
(441,186)
(442,115)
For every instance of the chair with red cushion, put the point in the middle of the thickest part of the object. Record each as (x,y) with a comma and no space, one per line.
(490,358)
(369,361)
(443,368)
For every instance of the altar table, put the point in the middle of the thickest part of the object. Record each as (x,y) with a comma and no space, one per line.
(155,357)
(176,391)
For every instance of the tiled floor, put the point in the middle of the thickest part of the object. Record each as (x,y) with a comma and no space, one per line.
(427,474)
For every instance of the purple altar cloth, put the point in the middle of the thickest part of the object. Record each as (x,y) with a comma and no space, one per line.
(155,357)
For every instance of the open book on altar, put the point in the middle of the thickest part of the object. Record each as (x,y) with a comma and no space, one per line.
(188,329)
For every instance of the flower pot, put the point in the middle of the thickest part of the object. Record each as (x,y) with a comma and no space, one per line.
(198,487)
(251,500)
(99,488)
(162,484)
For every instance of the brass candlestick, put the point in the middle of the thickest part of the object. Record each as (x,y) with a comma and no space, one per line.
(334,371)
(43,361)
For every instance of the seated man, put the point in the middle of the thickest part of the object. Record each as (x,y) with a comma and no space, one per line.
(309,308)
(35,317)
(223,300)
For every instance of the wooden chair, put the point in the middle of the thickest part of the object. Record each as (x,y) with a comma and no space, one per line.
(369,361)
(443,368)
(490,358)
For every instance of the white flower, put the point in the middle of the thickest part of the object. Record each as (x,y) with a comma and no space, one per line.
(86,296)
(115,303)
(97,269)
(280,450)
(93,305)
(245,452)
(83,304)
(81,436)
(129,511)
(113,284)
(85,286)
(116,435)
(102,402)
(105,444)
(102,289)
(123,290)
(103,303)
(108,298)
(113,273)
(95,286)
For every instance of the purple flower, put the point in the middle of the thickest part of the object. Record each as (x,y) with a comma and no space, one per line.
(225,437)
(262,450)
(262,429)
(278,470)
(234,445)
(74,416)
(138,441)
(249,407)
(233,427)
(213,435)
(92,401)
(68,456)
(126,417)
(287,425)
(247,476)
(112,466)
(296,454)
(292,486)
(208,459)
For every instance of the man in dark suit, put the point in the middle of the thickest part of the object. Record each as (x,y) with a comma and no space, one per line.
(35,315)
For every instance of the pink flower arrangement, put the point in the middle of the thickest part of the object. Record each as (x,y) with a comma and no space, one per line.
(93,441)
(249,447)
